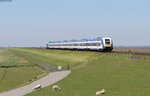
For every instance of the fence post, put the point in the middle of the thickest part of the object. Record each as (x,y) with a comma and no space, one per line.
(68,67)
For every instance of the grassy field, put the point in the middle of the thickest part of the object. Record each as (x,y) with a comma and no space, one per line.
(143,50)
(9,59)
(118,75)
(17,76)
(60,57)
(12,72)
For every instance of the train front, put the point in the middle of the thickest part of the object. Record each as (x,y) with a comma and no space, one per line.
(107,44)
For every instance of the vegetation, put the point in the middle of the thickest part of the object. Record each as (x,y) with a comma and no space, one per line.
(14,71)
(139,50)
(10,60)
(17,76)
(60,57)
(118,75)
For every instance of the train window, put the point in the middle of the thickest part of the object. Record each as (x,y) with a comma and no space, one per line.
(98,44)
(107,41)
(93,44)
(88,44)
(85,44)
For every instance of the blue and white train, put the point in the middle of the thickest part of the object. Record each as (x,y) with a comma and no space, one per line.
(99,44)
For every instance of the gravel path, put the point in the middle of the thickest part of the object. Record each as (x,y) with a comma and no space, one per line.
(45,81)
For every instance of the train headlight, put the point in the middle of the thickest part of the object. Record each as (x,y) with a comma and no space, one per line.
(108,45)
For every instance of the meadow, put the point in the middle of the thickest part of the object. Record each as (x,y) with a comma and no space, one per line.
(60,57)
(10,60)
(139,50)
(15,71)
(93,71)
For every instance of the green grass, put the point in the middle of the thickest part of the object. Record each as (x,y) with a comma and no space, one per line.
(9,59)
(13,75)
(131,56)
(17,76)
(2,71)
(118,75)
(60,57)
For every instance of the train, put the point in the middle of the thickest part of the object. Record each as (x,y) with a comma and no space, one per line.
(97,44)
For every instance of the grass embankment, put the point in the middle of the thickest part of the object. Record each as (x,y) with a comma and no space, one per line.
(10,60)
(60,57)
(12,72)
(119,75)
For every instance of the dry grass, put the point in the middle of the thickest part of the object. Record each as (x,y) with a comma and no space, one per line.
(3,58)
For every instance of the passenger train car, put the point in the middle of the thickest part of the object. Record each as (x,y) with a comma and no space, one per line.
(99,44)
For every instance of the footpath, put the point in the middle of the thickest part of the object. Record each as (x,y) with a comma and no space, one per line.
(45,81)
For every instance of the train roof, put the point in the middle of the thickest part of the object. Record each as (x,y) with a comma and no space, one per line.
(83,40)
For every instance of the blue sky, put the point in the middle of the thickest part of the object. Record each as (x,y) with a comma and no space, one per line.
(25,23)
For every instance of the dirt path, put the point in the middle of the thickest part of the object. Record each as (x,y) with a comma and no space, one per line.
(45,81)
